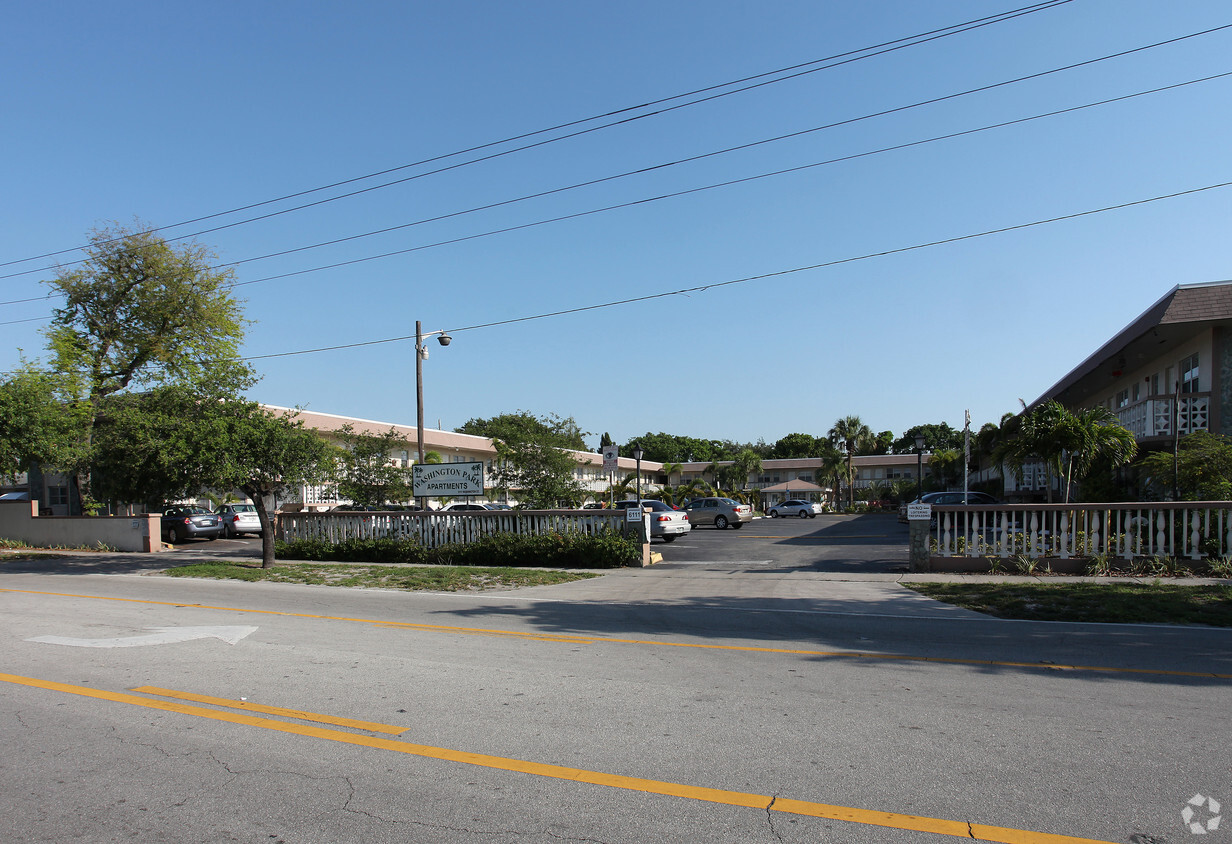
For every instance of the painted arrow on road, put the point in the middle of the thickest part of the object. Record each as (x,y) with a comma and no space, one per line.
(161,636)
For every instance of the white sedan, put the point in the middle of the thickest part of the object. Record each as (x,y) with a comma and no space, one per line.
(796,507)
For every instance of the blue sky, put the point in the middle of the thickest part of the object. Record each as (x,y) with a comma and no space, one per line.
(166,112)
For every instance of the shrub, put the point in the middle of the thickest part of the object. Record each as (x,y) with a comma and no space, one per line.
(1099,566)
(554,550)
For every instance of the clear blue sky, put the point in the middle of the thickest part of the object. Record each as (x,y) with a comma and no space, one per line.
(167,111)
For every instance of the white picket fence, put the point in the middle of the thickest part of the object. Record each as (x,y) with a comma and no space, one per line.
(432,530)
(1184,530)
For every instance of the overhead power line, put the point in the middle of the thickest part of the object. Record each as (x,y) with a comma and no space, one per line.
(749,279)
(651,168)
(671,195)
(792,72)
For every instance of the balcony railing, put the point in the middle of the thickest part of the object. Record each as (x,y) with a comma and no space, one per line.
(1153,417)
(1183,530)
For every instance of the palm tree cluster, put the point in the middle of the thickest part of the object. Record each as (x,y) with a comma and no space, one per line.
(1069,443)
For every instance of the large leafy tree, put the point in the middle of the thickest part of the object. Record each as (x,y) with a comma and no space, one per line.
(138,312)
(366,472)
(35,425)
(797,446)
(936,437)
(534,456)
(144,451)
(1203,468)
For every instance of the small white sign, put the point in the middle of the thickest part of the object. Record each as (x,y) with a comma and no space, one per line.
(432,479)
(919,512)
(633,514)
(611,454)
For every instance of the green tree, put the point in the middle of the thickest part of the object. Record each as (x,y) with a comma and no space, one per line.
(366,472)
(1096,438)
(747,462)
(534,456)
(137,313)
(35,424)
(145,452)
(562,432)
(936,437)
(1203,469)
(795,446)
(854,435)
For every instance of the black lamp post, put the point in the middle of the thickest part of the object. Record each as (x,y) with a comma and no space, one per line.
(637,455)
(919,466)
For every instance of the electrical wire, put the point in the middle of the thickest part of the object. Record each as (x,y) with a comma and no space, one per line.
(846,58)
(675,194)
(749,279)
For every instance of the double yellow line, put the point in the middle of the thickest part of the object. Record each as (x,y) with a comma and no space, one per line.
(894,820)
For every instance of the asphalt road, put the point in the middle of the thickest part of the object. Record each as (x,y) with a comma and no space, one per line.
(768,684)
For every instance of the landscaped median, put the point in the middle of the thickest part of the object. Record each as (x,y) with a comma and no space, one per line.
(410,578)
(1107,601)
(497,561)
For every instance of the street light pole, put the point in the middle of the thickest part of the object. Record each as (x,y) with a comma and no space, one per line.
(919,466)
(637,456)
(420,353)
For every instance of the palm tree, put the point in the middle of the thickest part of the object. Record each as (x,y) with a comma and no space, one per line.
(1096,436)
(853,434)
(746,463)
(833,468)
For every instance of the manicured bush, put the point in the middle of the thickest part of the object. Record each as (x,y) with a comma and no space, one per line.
(570,550)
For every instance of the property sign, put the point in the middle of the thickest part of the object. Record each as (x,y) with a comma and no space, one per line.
(430,479)
(610,453)
(919,512)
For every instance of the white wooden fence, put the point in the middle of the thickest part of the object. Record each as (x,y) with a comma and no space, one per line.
(433,530)
(1184,530)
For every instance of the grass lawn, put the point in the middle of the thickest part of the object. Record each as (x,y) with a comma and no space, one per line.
(1139,602)
(409,578)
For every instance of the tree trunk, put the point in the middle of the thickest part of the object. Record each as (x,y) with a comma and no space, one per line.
(267,527)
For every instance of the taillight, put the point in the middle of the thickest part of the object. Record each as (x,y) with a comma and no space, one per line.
(665,518)
(187,520)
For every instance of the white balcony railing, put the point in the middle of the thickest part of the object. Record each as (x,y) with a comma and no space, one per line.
(1153,417)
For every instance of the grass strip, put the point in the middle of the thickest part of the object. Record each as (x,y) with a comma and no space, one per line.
(407,578)
(1113,603)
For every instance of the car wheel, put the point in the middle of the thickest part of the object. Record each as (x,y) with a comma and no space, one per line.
(212,538)
(804,514)
(226,531)
(671,538)
(720,522)
(774,514)
(173,536)
(812,515)
(737,525)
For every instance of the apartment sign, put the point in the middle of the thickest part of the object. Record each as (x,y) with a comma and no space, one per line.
(453,479)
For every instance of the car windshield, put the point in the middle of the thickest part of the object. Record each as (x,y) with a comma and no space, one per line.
(198,511)
(729,501)
(244,508)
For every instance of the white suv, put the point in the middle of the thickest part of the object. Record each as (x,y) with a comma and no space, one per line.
(796,507)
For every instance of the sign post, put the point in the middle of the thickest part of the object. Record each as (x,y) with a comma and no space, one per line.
(918,518)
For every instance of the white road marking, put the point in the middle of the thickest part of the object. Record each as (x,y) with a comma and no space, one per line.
(163,636)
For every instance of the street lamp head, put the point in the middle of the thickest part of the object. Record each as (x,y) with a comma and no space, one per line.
(444,339)
(637,451)
(919,442)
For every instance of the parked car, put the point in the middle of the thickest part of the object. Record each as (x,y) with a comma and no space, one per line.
(972,498)
(239,518)
(182,521)
(665,522)
(796,507)
(454,508)
(720,512)
(15,496)
(498,506)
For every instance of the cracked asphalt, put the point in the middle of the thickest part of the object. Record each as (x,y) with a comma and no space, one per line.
(774,684)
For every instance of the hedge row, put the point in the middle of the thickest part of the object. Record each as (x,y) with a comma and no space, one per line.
(570,550)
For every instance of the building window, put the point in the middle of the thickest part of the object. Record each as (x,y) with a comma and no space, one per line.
(1155,384)
(57,496)
(1137,391)
(1189,374)
(1122,398)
